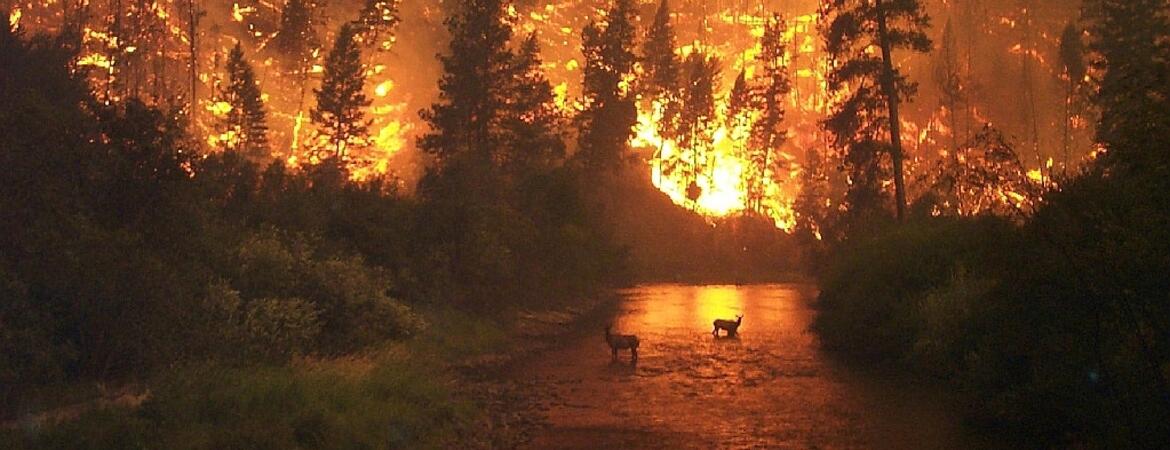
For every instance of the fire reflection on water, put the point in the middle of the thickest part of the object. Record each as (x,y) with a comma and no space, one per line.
(680,309)
(773,387)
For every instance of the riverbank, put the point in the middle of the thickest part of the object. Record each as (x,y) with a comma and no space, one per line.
(435,391)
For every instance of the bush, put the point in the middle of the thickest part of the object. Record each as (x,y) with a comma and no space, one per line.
(949,316)
(356,310)
(871,291)
(278,329)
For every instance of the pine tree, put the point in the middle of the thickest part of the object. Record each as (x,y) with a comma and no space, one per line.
(607,122)
(741,100)
(948,80)
(696,121)
(659,62)
(247,118)
(377,20)
(340,100)
(865,125)
(742,106)
(768,132)
(660,81)
(1129,44)
(295,38)
(466,122)
(1072,60)
(810,208)
(533,120)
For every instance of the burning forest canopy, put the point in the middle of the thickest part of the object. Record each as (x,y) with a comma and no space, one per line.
(998,112)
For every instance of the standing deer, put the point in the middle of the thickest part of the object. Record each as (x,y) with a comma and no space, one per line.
(732,327)
(621,342)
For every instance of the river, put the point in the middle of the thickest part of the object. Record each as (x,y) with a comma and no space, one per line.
(771,387)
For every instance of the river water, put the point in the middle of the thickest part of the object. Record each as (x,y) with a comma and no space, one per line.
(772,387)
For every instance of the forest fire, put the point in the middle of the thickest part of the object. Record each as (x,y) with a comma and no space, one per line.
(189,44)
(385,223)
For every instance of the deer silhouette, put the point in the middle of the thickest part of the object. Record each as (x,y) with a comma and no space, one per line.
(621,342)
(732,326)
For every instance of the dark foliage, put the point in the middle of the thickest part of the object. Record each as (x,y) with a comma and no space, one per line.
(123,254)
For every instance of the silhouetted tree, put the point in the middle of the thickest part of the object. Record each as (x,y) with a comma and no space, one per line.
(295,38)
(662,72)
(247,118)
(341,104)
(948,80)
(1072,60)
(742,107)
(810,208)
(768,131)
(377,21)
(1128,40)
(697,120)
(610,113)
(466,122)
(866,123)
(533,122)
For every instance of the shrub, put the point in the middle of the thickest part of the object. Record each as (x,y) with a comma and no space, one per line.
(280,328)
(871,288)
(949,315)
(356,310)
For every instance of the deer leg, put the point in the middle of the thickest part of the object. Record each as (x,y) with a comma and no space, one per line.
(614,352)
(633,354)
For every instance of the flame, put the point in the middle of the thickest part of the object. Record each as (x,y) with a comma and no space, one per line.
(95,60)
(720,183)
(238,12)
(14,18)
(384,88)
(729,32)
(220,108)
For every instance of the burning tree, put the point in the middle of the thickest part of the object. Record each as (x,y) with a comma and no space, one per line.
(378,19)
(607,122)
(985,176)
(866,123)
(742,105)
(245,125)
(295,38)
(768,132)
(660,80)
(949,81)
(341,104)
(1072,59)
(696,121)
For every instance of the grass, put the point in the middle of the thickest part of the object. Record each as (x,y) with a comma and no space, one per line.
(397,397)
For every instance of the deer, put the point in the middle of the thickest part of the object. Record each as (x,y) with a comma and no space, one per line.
(732,326)
(621,342)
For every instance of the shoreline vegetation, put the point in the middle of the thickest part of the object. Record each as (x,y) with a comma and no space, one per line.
(439,390)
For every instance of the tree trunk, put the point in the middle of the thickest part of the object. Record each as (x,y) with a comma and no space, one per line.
(193,31)
(891,93)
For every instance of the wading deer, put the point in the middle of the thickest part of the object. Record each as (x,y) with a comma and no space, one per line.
(621,342)
(732,326)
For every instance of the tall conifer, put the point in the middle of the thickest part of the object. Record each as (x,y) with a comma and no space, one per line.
(341,103)
(247,117)
(607,122)
(866,124)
